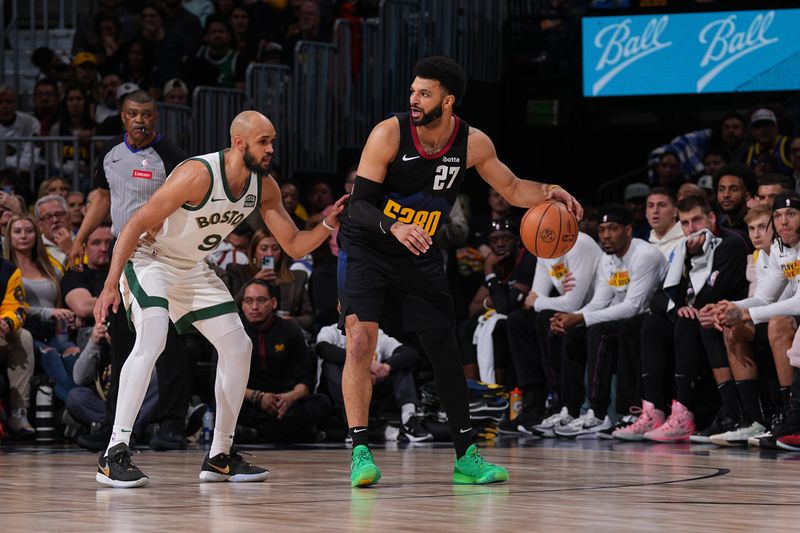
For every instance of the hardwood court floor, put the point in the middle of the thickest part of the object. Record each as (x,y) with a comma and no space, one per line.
(554,486)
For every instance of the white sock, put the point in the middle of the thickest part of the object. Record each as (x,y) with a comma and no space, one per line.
(233,370)
(137,371)
(221,443)
(407,411)
(119,435)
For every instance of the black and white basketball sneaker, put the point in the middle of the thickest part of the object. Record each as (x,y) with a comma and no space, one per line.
(117,469)
(223,467)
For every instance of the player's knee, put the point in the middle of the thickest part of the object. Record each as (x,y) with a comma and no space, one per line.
(780,328)
(360,344)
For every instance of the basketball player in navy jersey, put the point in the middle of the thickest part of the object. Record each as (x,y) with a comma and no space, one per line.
(407,181)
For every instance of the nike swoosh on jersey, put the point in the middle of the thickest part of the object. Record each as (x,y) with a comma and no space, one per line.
(406,158)
(218,199)
(465,430)
(116,160)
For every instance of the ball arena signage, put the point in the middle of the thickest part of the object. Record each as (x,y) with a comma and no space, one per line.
(692,53)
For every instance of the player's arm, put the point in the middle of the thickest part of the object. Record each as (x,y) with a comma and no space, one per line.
(364,208)
(520,193)
(294,242)
(188,183)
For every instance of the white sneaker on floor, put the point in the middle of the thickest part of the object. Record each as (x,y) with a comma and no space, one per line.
(18,422)
(546,427)
(739,435)
(586,425)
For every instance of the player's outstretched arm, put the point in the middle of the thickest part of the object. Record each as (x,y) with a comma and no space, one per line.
(189,182)
(520,193)
(294,242)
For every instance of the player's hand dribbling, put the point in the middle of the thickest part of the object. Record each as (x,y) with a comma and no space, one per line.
(108,297)
(560,195)
(412,237)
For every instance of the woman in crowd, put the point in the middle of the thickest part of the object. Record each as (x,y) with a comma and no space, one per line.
(75,120)
(270,263)
(48,321)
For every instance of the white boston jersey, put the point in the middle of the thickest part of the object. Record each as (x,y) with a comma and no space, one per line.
(191,232)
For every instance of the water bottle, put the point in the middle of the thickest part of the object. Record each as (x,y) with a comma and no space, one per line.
(515,405)
(45,424)
(208,426)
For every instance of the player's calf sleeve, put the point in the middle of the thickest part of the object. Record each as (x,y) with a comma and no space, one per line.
(234,349)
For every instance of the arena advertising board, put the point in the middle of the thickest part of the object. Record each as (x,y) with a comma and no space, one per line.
(691,53)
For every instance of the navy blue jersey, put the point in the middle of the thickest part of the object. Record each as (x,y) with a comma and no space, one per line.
(419,188)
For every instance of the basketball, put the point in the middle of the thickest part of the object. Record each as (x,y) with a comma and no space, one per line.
(549,230)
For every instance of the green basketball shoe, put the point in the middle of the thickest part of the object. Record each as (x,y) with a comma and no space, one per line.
(363,472)
(472,469)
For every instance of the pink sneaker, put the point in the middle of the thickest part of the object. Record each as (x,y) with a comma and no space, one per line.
(678,427)
(649,419)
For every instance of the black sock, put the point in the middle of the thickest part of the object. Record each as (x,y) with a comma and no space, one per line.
(683,390)
(748,392)
(360,436)
(730,399)
(786,395)
(651,390)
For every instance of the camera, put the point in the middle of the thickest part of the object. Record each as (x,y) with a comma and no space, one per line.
(267,263)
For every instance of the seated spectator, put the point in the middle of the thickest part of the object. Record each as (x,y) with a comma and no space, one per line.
(76,210)
(668,171)
(173,34)
(391,372)
(55,185)
(279,400)
(269,263)
(16,347)
(694,189)
(84,75)
(534,352)
(137,65)
(113,124)
(48,321)
(51,214)
(322,281)
(635,200)
(768,141)
(320,196)
(735,185)
(75,119)
(245,35)
(217,62)
(45,103)
(713,160)
(86,402)
(107,105)
(770,186)
(22,156)
(499,209)
(310,27)
(175,92)
(678,333)
(128,22)
(233,248)
(290,195)
(50,66)
(627,276)
(107,41)
(508,271)
(662,215)
(82,287)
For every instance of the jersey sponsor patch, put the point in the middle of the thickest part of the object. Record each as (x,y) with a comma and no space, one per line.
(619,279)
(143,174)
(427,220)
(791,269)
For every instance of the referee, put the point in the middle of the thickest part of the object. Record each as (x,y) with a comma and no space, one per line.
(130,168)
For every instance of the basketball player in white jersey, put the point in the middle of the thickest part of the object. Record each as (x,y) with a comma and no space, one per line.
(158,265)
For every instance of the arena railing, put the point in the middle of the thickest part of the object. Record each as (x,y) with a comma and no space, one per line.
(214,108)
(311,144)
(268,88)
(175,123)
(40,158)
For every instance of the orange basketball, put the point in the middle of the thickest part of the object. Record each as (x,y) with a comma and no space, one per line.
(549,230)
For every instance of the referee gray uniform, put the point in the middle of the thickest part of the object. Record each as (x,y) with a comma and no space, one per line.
(132,175)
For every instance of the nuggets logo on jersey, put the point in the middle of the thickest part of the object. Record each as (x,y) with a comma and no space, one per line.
(427,220)
(558,271)
(619,279)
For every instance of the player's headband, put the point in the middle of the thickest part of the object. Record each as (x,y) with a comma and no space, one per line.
(783,201)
